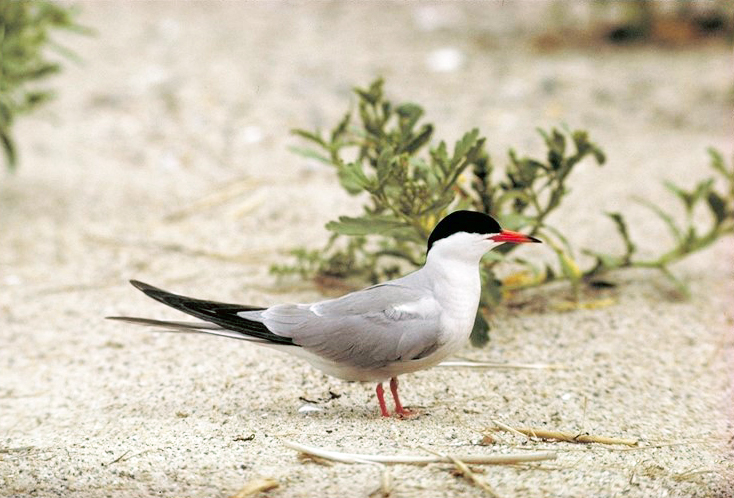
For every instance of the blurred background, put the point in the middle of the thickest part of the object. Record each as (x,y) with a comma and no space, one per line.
(158,106)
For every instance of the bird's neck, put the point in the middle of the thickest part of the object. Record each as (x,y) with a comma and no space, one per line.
(455,282)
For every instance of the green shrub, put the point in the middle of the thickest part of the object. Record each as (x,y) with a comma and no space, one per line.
(25,28)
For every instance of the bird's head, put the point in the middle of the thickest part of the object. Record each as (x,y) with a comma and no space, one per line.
(468,235)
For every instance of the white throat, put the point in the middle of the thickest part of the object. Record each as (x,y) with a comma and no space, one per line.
(452,268)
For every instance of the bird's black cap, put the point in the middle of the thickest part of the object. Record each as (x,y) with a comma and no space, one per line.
(463,221)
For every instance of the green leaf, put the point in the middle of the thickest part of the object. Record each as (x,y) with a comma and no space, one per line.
(532,164)
(408,114)
(353,179)
(6,114)
(569,267)
(680,285)
(9,149)
(528,170)
(384,165)
(717,205)
(341,128)
(622,229)
(684,196)
(308,135)
(35,98)
(421,139)
(599,155)
(310,154)
(440,156)
(480,332)
(556,144)
(373,94)
(702,190)
(581,140)
(409,111)
(463,145)
(717,162)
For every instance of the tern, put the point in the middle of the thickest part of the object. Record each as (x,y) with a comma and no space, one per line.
(374,334)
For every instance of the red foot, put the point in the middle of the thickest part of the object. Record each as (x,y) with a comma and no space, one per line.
(400,411)
(405,413)
(381,400)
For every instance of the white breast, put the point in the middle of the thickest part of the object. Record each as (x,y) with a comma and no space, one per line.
(456,287)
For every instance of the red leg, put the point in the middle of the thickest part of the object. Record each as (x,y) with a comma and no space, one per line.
(381,399)
(399,410)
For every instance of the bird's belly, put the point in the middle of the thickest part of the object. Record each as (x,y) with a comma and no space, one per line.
(454,339)
(384,372)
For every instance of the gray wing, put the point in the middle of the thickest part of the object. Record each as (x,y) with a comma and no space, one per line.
(368,329)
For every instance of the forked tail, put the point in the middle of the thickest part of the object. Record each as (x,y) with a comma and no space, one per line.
(219,318)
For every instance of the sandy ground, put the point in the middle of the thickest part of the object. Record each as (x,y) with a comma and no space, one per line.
(165,158)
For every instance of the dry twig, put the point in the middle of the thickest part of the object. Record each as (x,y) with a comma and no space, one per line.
(117,459)
(566,436)
(315,459)
(256,486)
(386,485)
(507,428)
(497,459)
(467,472)
(690,474)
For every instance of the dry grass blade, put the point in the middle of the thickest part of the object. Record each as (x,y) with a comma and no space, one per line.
(118,459)
(509,429)
(386,485)
(256,486)
(315,459)
(569,437)
(690,474)
(497,459)
(467,473)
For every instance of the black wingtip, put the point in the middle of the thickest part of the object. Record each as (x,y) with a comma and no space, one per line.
(142,286)
(128,319)
(223,314)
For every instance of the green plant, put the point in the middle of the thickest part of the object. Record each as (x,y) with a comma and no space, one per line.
(382,155)
(24,34)
(688,236)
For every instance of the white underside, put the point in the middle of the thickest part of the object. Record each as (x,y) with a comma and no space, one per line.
(345,372)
